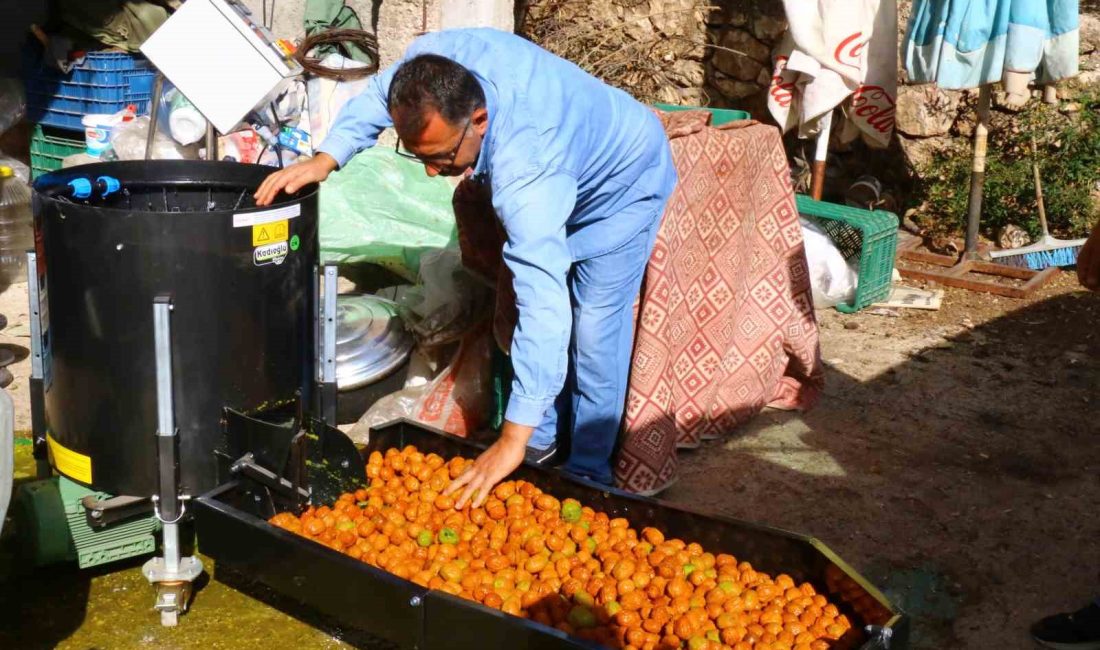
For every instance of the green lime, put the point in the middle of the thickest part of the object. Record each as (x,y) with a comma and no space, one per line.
(581,617)
(584,598)
(571,512)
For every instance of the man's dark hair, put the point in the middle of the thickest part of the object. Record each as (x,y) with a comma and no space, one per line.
(430,82)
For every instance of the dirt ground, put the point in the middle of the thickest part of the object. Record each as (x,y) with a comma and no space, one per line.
(953,460)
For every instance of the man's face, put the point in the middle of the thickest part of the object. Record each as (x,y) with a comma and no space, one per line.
(443,148)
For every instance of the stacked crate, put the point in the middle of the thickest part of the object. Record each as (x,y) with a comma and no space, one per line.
(104,83)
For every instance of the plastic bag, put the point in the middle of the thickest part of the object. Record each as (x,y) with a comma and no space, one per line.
(328,96)
(128,141)
(383,209)
(452,301)
(832,279)
(13,103)
(457,400)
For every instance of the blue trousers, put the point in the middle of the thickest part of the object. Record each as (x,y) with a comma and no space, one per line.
(587,414)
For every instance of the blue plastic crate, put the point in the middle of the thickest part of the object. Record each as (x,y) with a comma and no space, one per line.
(72,120)
(50,88)
(111,61)
(84,106)
(105,82)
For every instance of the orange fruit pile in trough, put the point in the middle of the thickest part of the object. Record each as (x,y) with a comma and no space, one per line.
(564,565)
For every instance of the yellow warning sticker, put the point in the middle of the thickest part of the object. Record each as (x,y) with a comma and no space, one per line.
(270,233)
(72,464)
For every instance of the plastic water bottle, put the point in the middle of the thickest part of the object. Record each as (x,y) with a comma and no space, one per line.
(7,452)
(16,227)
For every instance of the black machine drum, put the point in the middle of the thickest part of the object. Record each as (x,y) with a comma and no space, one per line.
(240,279)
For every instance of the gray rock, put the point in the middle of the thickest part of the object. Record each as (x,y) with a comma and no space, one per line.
(739,43)
(764,79)
(767,28)
(687,73)
(740,67)
(675,17)
(925,111)
(737,18)
(733,88)
(1089,32)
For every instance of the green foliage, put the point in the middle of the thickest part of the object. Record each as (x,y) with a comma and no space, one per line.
(1068,152)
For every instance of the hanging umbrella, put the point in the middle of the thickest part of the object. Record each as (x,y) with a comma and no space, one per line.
(970,43)
(974,43)
(836,52)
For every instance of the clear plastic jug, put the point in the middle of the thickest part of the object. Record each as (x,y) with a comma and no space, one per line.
(16,227)
(7,453)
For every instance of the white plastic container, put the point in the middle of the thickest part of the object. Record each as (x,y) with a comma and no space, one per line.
(97,133)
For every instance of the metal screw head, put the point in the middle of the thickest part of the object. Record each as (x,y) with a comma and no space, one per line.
(118,247)
(414,601)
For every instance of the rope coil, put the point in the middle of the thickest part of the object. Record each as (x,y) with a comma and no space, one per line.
(365,40)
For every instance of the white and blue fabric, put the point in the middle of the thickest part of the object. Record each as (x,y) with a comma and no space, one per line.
(969,43)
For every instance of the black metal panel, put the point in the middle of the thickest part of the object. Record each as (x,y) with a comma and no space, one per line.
(241,332)
(453,622)
(345,590)
(450,622)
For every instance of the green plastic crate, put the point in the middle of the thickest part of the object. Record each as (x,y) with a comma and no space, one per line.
(865,235)
(49,149)
(719,116)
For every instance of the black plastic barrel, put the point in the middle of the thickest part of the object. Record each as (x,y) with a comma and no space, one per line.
(240,279)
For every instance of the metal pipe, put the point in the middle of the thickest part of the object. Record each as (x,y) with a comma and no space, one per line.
(154,113)
(211,142)
(821,152)
(977,173)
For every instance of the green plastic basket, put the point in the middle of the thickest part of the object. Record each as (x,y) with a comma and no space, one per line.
(49,149)
(719,116)
(866,235)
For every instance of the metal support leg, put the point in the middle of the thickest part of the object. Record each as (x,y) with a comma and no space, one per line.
(39,360)
(172,575)
(326,345)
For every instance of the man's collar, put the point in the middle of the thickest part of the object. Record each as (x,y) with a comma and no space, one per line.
(481,168)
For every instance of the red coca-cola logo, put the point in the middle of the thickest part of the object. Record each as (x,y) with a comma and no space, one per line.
(849,50)
(874,106)
(782,86)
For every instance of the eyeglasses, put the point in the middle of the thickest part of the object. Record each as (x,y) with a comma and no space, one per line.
(436,161)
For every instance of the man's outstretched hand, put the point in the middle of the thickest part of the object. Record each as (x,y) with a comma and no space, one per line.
(295,177)
(492,466)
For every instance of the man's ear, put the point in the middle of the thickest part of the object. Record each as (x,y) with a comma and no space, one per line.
(480,119)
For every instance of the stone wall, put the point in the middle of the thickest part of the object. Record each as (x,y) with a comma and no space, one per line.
(719,54)
(395,22)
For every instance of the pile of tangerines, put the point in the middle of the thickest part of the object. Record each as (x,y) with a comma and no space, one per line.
(564,565)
